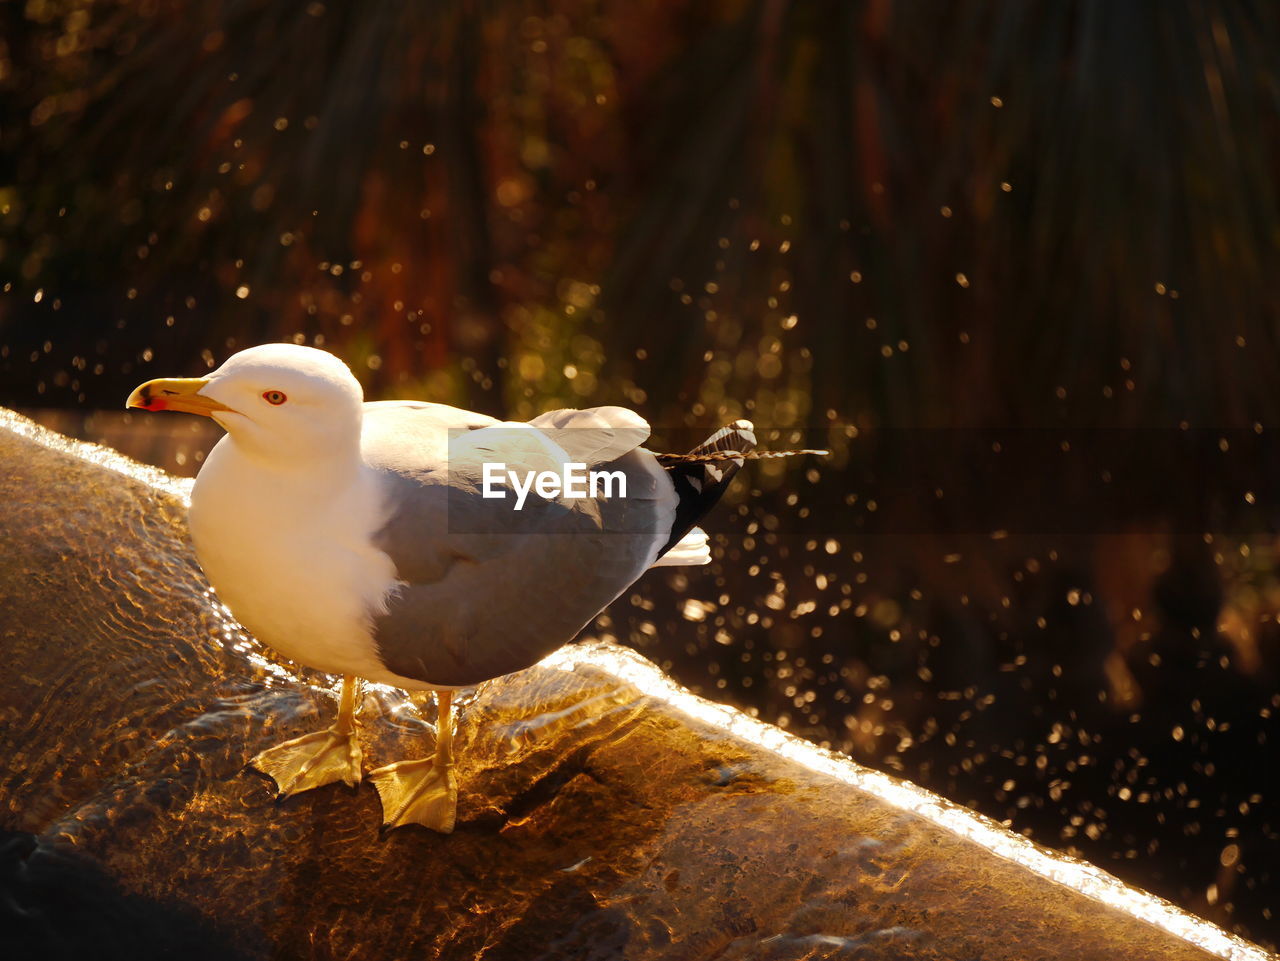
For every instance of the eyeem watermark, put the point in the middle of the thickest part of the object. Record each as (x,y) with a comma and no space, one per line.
(573,481)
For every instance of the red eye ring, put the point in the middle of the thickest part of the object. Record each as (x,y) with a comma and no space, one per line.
(276,397)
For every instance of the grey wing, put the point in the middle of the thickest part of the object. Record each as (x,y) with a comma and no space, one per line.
(594,436)
(487,590)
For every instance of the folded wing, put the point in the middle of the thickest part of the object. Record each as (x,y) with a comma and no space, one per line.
(485,589)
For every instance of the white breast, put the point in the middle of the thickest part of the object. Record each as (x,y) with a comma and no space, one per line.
(289,553)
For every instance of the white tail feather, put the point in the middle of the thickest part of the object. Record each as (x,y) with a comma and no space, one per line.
(692,550)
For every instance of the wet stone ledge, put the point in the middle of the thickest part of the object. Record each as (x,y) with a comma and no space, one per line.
(603,814)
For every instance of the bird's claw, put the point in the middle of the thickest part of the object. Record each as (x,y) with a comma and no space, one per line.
(418,792)
(312,761)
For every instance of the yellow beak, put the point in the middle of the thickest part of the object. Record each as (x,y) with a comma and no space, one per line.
(180,393)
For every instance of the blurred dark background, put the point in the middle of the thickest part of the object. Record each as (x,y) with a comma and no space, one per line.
(858,222)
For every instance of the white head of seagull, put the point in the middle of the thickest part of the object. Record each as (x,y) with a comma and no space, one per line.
(282,403)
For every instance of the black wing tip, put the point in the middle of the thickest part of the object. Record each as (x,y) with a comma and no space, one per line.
(738,437)
(700,484)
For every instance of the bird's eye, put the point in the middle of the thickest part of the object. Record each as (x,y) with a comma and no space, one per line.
(276,397)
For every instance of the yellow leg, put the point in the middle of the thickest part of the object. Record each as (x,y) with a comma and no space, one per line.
(426,791)
(320,758)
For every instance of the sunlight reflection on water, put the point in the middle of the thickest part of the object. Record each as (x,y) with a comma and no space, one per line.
(627,666)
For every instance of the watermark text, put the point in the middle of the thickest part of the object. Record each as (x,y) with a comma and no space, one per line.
(573,481)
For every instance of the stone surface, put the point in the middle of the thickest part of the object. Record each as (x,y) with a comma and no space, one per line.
(595,821)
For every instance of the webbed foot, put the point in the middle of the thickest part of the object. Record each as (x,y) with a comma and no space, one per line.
(418,792)
(312,760)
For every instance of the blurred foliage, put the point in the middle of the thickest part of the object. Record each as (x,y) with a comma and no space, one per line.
(816,212)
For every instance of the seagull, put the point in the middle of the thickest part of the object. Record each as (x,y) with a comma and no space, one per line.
(382,540)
